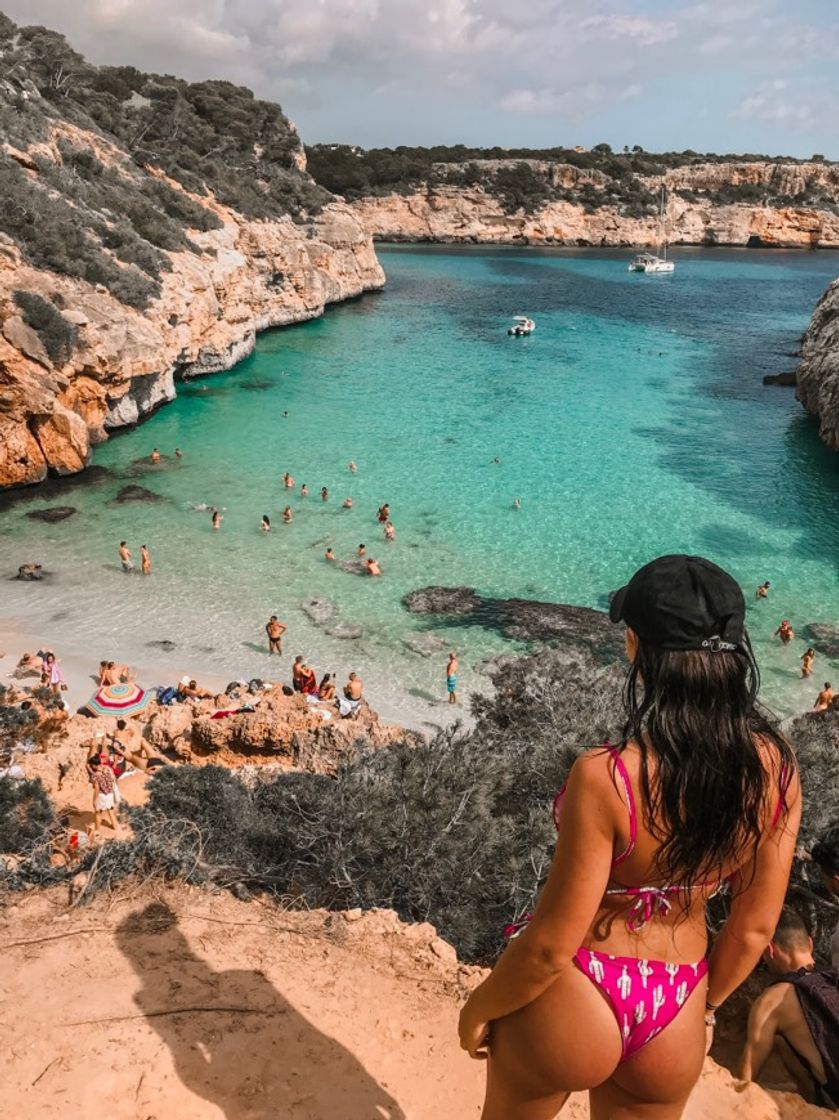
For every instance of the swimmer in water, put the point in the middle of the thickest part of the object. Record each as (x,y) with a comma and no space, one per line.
(178,453)
(347,503)
(807,659)
(145,560)
(361,551)
(352,467)
(390,532)
(324,494)
(285,415)
(495,460)
(383,513)
(287,514)
(517,503)
(125,558)
(329,554)
(217,519)
(785,632)
(155,456)
(763,591)
(266,523)
(373,568)
(304,491)
(288,481)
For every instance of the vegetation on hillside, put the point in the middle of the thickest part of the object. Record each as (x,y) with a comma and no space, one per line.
(519,182)
(115,223)
(457,832)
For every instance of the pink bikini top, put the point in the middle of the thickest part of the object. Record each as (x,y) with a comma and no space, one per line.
(650,900)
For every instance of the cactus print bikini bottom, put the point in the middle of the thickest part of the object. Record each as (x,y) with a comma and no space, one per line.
(645,996)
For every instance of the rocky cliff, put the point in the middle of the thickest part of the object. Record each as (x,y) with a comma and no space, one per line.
(818,374)
(124,362)
(149,229)
(473,214)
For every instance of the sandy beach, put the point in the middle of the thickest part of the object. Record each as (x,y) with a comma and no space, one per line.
(151,668)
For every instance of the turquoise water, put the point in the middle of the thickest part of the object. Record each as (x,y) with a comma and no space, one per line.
(633,422)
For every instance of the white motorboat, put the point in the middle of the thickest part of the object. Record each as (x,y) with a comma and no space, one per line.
(521,325)
(651,262)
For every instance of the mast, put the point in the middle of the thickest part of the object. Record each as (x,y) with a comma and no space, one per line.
(662,230)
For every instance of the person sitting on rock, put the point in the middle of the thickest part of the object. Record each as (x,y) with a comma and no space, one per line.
(354,687)
(191,691)
(308,680)
(326,688)
(800,1007)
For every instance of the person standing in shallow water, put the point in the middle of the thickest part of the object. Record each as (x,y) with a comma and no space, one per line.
(607,988)
(451,677)
(125,558)
(807,659)
(275,631)
(145,560)
(217,520)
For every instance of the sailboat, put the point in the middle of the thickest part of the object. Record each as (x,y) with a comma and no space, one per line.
(649,262)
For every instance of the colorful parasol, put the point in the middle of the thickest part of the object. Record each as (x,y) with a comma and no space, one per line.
(118,700)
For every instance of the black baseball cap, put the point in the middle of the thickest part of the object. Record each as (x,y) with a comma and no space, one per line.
(682,602)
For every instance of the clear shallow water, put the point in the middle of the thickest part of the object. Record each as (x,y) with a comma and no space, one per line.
(633,422)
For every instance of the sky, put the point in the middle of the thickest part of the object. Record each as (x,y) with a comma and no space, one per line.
(718,75)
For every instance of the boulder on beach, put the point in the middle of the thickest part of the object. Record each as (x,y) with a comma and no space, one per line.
(51,513)
(442,600)
(137,494)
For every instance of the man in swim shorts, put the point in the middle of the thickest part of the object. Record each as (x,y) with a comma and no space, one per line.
(354,687)
(451,677)
(785,631)
(125,558)
(801,1007)
(275,631)
(825,698)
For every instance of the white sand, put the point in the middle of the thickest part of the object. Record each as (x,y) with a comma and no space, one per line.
(159,667)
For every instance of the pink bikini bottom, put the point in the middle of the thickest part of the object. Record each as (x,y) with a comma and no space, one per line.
(645,996)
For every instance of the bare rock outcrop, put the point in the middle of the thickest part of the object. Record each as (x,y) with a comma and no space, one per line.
(474,215)
(818,374)
(281,729)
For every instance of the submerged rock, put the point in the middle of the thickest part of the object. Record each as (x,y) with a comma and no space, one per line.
(426,645)
(442,600)
(346,630)
(524,620)
(322,612)
(164,644)
(824,637)
(137,494)
(51,513)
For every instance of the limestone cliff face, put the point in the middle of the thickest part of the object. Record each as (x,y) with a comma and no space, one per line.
(818,374)
(471,214)
(125,363)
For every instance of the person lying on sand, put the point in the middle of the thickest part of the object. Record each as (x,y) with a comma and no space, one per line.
(29,664)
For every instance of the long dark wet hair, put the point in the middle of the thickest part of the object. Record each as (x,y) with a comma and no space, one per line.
(695,713)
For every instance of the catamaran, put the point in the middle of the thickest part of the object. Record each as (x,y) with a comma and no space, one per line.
(649,262)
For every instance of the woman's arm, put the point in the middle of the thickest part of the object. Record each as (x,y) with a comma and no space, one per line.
(567,905)
(756,906)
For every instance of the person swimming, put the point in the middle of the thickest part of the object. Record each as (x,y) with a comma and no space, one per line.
(265,524)
(383,513)
(352,467)
(217,520)
(785,632)
(390,532)
(701,790)
(373,568)
(288,481)
(347,503)
(304,491)
(288,514)
(324,494)
(155,456)
(763,591)
(329,554)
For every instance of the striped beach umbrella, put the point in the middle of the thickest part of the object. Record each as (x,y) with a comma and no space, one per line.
(125,699)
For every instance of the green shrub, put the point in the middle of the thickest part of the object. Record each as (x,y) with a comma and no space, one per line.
(57,335)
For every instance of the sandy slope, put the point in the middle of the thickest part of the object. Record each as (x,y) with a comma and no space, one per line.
(307,1017)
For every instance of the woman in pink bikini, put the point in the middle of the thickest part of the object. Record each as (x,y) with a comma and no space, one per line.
(607,987)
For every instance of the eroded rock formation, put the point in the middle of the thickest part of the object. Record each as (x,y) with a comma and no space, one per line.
(818,374)
(473,215)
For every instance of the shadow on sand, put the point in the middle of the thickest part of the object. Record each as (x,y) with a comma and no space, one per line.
(263,1062)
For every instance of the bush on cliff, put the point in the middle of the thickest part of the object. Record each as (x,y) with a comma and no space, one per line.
(57,335)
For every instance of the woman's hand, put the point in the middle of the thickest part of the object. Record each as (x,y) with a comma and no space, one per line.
(474,1033)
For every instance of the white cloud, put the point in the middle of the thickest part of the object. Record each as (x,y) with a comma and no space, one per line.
(782,103)
(443,61)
